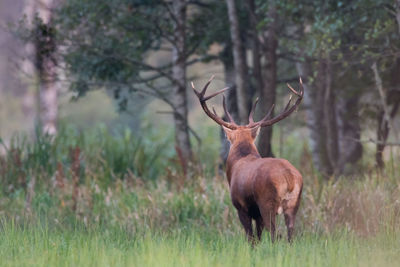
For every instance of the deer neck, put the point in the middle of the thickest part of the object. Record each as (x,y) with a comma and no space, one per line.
(237,152)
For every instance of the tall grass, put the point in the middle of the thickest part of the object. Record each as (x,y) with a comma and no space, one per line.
(101,199)
(97,246)
(111,155)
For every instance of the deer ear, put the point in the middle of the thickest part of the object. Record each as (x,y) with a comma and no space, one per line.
(229,133)
(255,131)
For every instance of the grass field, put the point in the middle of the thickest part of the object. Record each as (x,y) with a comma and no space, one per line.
(98,199)
(41,246)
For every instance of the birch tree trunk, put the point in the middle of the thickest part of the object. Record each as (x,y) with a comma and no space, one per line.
(30,104)
(239,58)
(45,49)
(179,98)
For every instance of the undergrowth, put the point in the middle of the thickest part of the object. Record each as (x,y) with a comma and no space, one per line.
(102,199)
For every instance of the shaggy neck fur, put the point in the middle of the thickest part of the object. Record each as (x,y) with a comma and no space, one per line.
(237,152)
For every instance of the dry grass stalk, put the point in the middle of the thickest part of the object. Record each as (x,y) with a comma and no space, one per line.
(75,168)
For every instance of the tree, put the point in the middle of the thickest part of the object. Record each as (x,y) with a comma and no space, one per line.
(45,46)
(338,45)
(266,76)
(319,48)
(40,60)
(213,27)
(108,46)
(389,91)
(240,62)
(179,58)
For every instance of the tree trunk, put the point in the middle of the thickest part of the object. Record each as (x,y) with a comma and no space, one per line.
(398,14)
(349,131)
(268,91)
(324,80)
(382,134)
(239,57)
(382,131)
(30,105)
(179,98)
(256,55)
(45,48)
(227,61)
(384,121)
(314,105)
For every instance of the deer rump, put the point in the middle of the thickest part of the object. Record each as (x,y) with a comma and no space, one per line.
(265,184)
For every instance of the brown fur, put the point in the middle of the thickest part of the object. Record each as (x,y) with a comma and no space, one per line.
(260,186)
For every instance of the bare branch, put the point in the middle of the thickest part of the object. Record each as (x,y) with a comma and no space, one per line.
(370,140)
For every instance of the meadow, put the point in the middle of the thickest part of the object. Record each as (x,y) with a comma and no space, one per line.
(96,198)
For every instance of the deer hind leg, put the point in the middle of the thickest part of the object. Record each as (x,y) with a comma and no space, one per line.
(260,227)
(290,212)
(245,219)
(290,216)
(268,213)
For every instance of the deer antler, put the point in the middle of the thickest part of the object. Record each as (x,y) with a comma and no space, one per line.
(262,123)
(286,112)
(202,98)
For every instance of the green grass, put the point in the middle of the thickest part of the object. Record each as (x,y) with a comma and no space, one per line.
(42,246)
(131,206)
(346,223)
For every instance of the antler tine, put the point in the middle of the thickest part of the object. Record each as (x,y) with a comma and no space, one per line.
(291,89)
(254,124)
(288,104)
(226,110)
(216,93)
(203,91)
(251,120)
(301,88)
(215,113)
(286,112)
(207,84)
(194,90)
(214,116)
(270,111)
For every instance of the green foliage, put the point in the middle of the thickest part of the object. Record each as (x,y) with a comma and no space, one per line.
(125,216)
(108,44)
(114,156)
(104,39)
(119,192)
(197,225)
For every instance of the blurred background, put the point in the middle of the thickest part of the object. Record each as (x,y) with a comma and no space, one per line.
(128,64)
(95,99)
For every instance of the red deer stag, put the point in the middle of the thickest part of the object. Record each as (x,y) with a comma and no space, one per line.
(260,188)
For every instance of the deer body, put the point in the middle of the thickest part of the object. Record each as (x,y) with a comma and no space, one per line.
(260,188)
